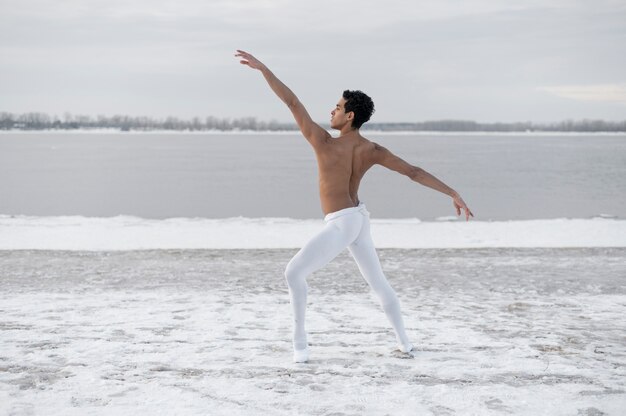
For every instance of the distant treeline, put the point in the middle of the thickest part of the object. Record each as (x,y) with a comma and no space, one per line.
(468,126)
(42,121)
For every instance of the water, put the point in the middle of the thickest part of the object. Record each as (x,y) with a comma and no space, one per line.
(501,177)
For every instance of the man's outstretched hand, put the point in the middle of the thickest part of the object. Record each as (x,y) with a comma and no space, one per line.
(249,60)
(459,204)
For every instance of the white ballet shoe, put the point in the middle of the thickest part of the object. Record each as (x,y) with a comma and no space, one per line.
(301,356)
(406,348)
(404,352)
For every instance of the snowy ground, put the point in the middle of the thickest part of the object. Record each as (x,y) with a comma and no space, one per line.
(207,332)
(133,233)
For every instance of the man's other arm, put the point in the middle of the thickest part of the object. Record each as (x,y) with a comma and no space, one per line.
(387,159)
(311,131)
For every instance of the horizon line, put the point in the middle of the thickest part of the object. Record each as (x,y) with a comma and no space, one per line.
(68,114)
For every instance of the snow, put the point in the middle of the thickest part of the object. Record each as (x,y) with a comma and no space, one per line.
(207,332)
(134,233)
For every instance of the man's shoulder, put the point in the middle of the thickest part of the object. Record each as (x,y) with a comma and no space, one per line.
(370,150)
(370,145)
(366,143)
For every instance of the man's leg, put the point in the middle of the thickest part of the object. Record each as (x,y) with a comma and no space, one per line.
(318,252)
(364,253)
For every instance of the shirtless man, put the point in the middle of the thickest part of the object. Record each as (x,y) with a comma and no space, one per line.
(342,162)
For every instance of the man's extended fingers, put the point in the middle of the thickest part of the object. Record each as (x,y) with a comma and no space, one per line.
(243,54)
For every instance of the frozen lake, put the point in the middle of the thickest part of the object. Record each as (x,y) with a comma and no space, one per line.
(501,177)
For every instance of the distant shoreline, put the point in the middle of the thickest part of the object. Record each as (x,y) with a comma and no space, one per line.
(44,122)
(296,132)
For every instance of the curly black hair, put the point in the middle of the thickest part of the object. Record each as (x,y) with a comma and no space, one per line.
(360,104)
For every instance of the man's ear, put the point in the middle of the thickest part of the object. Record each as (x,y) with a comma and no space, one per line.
(350,115)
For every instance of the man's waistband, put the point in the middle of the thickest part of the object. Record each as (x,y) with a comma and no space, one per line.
(347,211)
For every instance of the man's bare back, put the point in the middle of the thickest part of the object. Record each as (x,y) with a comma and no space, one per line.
(342,163)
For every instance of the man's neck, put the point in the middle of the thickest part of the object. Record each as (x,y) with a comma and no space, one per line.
(348,131)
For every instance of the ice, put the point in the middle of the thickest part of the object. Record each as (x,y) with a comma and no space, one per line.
(197,332)
(133,233)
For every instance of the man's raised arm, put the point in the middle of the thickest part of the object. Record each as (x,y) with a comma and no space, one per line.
(311,131)
(387,159)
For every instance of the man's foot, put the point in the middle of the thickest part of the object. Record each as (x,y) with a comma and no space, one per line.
(406,348)
(405,351)
(301,356)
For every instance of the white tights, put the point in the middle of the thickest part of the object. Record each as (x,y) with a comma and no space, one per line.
(350,228)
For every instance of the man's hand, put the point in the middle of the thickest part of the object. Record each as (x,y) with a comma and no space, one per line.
(249,60)
(459,204)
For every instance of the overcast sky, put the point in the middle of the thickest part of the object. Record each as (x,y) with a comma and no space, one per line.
(484,60)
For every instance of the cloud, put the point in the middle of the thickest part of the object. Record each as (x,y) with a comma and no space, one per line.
(433,58)
(598,93)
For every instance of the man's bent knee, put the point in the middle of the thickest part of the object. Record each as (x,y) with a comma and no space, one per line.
(292,275)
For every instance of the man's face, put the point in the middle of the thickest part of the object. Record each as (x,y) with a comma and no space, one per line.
(339,118)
